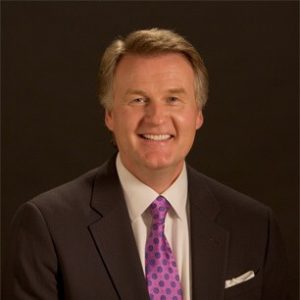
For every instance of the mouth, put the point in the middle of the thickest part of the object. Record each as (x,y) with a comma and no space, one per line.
(156,137)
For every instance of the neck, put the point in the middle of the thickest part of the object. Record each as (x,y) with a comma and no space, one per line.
(157,179)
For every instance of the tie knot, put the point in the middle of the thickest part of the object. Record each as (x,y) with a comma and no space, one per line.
(159,208)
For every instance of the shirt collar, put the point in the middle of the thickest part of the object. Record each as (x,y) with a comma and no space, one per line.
(139,196)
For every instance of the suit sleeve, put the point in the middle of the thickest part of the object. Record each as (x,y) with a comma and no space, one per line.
(32,259)
(275,268)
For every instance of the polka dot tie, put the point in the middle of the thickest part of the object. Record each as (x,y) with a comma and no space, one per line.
(162,277)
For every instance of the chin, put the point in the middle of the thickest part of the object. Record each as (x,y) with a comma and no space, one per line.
(160,164)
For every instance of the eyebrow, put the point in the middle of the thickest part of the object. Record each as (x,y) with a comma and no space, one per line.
(135,92)
(141,92)
(177,91)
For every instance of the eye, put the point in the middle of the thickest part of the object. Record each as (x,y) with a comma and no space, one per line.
(173,100)
(138,101)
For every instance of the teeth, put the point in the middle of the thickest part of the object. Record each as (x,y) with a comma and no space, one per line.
(157,137)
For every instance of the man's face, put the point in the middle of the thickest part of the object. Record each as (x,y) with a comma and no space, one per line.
(154,115)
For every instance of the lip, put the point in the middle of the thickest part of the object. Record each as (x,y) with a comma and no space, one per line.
(156,137)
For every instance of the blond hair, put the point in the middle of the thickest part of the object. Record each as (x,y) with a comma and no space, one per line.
(150,42)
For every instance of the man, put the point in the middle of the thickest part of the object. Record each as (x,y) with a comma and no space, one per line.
(145,225)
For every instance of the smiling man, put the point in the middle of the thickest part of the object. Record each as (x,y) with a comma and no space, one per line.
(145,225)
(154,116)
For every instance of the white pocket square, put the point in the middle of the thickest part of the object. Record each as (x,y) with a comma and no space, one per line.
(240,279)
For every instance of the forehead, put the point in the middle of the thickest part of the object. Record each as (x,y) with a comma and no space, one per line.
(157,69)
(167,59)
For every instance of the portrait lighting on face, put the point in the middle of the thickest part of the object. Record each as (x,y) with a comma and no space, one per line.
(146,224)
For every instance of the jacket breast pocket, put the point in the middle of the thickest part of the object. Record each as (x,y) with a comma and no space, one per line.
(248,290)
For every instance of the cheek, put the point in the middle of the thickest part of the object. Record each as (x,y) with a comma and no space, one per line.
(125,122)
(189,121)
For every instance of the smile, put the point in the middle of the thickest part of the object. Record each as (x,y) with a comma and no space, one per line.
(156,137)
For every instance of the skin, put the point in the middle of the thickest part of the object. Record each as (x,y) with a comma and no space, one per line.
(154,116)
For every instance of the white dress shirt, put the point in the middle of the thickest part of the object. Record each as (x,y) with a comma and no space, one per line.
(138,197)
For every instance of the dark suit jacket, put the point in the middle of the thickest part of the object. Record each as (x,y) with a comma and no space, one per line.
(76,242)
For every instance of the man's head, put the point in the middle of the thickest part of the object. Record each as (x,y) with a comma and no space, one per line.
(150,42)
(153,99)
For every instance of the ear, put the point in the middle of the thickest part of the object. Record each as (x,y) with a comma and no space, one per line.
(199,120)
(109,121)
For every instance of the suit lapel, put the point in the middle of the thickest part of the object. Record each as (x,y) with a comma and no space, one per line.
(116,245)
(209,241)
(114,238)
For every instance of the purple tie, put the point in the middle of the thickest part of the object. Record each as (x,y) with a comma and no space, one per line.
(161,270)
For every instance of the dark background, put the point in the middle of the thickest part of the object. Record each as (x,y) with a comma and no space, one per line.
(52,126)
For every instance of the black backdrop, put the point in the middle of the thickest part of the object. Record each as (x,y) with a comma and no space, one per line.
(52,127)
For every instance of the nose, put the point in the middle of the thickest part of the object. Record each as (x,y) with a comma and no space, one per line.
(155,113)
